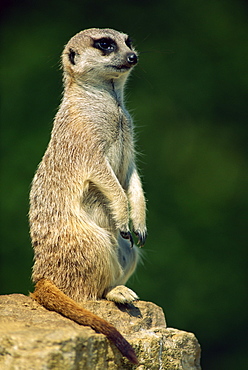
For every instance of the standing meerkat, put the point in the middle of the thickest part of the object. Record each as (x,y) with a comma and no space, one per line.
(86,193)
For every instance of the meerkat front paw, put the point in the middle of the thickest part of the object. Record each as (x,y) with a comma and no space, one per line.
(121,294)
(141,235)
(127,235)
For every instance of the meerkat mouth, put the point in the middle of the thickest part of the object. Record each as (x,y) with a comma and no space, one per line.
(119,68)
(122,66)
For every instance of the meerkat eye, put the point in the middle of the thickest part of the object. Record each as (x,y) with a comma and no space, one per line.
(107,45)
(129,42)
(71,56)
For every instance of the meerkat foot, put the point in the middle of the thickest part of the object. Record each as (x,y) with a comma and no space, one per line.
(121,294)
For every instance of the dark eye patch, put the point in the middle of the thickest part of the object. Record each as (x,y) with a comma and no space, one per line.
(71,56)
(129,42)
(107,45)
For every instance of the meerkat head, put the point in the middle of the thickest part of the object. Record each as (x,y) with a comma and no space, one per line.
(96,55)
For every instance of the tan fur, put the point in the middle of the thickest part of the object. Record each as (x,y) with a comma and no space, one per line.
(87,189)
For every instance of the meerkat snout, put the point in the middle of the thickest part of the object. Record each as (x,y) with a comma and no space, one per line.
(132,58)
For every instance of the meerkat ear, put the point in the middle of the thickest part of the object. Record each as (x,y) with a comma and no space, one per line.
(71,56)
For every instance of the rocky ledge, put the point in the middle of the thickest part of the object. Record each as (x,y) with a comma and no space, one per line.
(32,338)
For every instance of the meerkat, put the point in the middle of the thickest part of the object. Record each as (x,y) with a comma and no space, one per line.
(86,193)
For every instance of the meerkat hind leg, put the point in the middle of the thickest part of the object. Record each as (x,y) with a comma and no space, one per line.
(128,258)
(121,294)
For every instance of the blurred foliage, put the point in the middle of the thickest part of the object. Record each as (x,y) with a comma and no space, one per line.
(188,96)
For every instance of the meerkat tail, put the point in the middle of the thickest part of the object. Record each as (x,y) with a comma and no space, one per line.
(52,298)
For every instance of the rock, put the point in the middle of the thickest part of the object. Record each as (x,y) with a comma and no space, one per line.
(32,338)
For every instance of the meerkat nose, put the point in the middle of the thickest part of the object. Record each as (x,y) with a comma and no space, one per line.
(132,58)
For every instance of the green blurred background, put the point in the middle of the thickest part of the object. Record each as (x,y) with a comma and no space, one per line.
(188,96)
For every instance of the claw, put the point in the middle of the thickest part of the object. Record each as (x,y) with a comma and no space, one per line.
(127,235)
(141,237)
